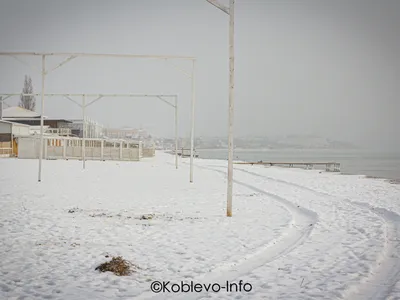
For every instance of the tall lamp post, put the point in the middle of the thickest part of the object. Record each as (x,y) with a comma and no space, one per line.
(231,12)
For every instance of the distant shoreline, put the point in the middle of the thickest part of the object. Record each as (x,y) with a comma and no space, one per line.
(371,163)
(281,149)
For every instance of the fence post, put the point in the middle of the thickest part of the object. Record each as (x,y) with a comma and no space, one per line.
(102,150)
(46,141)
(65,148)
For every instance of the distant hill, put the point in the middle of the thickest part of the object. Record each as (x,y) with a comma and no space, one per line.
(284,142)
(310,142)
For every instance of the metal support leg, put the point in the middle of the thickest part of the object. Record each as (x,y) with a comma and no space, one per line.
(41,118)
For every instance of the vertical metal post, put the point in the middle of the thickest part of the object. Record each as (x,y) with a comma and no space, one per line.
(1,107)
(12,135)
(102,150)
(231,105)
(193,117)
(41,118)
(83,132)
(12,144)
(176,132)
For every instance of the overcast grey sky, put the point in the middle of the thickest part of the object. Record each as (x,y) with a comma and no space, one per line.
(330,68)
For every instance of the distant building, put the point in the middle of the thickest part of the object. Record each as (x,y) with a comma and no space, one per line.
(127,133)
(119,133)
(92,128)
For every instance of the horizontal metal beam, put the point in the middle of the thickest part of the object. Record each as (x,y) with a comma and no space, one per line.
(97,55)
(91,95)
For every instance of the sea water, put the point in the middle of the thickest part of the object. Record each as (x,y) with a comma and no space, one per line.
(382,164)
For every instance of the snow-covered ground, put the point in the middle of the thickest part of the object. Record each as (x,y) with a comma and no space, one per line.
(295,234)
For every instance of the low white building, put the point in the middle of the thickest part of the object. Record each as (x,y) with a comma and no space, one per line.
(9,132)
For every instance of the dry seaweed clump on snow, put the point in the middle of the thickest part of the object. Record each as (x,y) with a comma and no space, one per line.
(118,266)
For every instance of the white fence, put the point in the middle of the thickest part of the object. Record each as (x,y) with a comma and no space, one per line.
(59,131)
(71,148)
(6,152)
(149,152)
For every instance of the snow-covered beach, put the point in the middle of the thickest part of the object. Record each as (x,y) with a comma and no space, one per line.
(294,234)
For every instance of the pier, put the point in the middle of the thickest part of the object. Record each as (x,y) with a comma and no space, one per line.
(329,166)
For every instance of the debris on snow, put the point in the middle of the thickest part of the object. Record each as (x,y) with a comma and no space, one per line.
(147,217)
(118,266)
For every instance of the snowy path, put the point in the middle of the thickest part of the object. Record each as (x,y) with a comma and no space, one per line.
(382,284)
(298,230)
(380,279)
(376,273)
(55,233)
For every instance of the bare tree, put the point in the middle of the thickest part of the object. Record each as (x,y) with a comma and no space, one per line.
(27,102)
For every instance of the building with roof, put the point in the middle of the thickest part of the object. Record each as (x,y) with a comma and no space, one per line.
(21,115)
(57,126)
(9,132)
(16,112)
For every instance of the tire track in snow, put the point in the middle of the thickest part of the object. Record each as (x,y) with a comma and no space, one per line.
(380,283)
(303,223)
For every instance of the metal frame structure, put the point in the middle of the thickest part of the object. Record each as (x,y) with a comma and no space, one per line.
(231,12)
(84,105)
(71,56)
